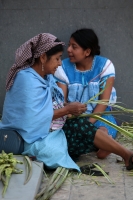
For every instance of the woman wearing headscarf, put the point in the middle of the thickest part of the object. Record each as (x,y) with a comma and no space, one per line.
(28,106)
(33,106)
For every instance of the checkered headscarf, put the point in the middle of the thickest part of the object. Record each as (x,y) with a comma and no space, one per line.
(26,54)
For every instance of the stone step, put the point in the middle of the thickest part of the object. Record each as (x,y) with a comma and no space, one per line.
(16,189)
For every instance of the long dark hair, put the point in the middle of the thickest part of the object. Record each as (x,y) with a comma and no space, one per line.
(86,38)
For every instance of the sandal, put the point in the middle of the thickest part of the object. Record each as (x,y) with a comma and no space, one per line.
(88,169)
(130,166)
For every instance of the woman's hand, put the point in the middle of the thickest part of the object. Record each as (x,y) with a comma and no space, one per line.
(69,109)
(76,108)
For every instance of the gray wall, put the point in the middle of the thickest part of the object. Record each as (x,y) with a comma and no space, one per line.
(111,19)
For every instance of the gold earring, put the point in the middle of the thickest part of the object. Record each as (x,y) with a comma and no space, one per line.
(42,68)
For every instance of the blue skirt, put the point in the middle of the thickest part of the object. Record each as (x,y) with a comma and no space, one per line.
(52,151)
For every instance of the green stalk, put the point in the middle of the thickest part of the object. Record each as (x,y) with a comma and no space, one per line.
(8,172)
(55,174)
(53,184)
(118,128)
(104,102)
(3,179)
(17,171)
(28,165)
(99,113)
(41,193)
(55,178)
(4,155)
(96,182)
(2,168)
(103,172)
(60,182)
(51,180)
(63,176)
(96,95)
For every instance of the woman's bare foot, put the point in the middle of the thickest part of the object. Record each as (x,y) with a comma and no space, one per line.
(101,154)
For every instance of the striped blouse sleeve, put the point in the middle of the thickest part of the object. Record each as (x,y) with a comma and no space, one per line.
(108,70)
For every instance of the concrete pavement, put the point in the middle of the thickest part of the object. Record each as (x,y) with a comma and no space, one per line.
(98,188)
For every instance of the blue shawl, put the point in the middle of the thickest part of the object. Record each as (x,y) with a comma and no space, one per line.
(28,105)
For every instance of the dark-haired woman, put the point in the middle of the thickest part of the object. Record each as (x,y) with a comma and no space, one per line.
(33,108)
(31,98)
(85,73)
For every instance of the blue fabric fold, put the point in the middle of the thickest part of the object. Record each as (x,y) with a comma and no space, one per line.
(52,151)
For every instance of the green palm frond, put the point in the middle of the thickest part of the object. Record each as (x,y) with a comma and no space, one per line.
(125,130)
(118,128)
(103,172)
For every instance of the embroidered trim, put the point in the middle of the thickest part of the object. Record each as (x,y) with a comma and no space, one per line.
(92,67)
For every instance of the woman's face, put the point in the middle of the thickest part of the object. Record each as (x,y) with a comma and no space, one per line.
(52,64)
(75,52)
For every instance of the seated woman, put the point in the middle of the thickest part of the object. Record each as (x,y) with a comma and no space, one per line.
(84,74)
(34,108)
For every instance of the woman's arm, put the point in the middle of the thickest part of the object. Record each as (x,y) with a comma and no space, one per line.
(74,108)
(104,96)
(64,88)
